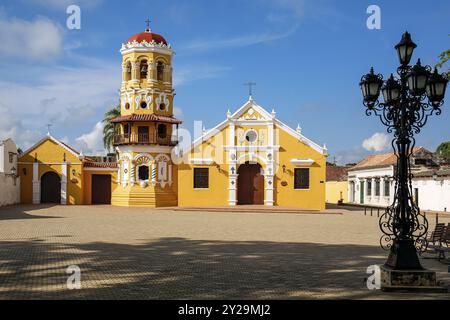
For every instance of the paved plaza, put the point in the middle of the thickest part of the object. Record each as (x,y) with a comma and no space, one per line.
(131,253)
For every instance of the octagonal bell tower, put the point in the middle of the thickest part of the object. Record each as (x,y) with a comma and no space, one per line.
(144,132)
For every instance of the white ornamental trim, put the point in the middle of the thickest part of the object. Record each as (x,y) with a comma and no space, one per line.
(202,161)
(302,162)
(144,45)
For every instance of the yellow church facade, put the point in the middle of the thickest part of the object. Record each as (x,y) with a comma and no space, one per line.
(251,158)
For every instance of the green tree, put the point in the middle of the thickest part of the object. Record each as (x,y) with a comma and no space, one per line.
(108,129)
(443,58)
(444,149)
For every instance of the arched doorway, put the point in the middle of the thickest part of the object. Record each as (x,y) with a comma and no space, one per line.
(50,188)
(250,184)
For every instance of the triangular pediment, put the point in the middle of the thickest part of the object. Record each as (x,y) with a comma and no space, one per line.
(251,111)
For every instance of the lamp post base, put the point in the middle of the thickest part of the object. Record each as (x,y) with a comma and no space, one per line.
(409,280)
(403,256)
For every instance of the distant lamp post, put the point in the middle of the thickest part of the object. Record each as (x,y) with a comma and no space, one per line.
(14,174)
(404,112)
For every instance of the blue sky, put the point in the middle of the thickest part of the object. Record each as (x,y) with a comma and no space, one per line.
(306,57)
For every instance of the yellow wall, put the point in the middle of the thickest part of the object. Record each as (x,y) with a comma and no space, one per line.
(314,197)
(336,190)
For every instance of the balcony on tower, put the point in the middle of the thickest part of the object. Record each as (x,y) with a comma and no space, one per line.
(145,129)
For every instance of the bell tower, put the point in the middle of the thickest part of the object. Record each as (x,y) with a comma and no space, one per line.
(144,132)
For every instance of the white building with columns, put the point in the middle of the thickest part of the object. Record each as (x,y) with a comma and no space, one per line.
(9,183)
(371,181)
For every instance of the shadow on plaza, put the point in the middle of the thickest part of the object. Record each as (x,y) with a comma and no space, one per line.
(22,212)
(178,268)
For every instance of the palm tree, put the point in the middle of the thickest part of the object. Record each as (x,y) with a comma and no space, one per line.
(108,129)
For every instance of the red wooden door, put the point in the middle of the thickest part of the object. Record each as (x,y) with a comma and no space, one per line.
(250,184)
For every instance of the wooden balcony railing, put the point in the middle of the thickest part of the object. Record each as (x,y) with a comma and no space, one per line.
(141,138)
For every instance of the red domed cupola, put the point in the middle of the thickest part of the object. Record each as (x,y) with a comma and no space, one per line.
(148,36)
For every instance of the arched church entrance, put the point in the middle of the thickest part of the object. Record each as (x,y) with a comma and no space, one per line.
(250,184)
(50,188)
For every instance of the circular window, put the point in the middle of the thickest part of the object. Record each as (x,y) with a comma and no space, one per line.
(127,106)
(251,136)
(143,105)
(162,106)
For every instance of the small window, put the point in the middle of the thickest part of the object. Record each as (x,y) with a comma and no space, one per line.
(369,187)
(127,106)
(144,69)
(162,131)
(301,178)
(143,105)
(251,136)
(160,71)
(126,128)
(201,178)
(11,157)
(387,187)
(143,173)
(420,162)
(377,187)
(162,106)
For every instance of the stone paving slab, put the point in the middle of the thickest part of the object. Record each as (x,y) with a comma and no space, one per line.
(142,253)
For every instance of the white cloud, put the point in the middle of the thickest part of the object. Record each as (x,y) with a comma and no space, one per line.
(70,98)
(377,142)
(295,7)
(178,112)
(63,4)
(40,39)
(91,142)
(241,41)
(183,75)
(13,127)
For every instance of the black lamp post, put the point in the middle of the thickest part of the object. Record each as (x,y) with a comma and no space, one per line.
(404,112)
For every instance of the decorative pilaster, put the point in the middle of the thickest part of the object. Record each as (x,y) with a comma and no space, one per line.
(154,173)
(64,183)
(36,184)
(118,173)
(268,201)
(132,173)
(170,175)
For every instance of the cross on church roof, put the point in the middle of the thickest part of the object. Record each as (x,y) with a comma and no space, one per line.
(250,88)
(48,128)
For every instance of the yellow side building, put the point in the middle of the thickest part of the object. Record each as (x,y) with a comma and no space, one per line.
(336,185)
(52,172)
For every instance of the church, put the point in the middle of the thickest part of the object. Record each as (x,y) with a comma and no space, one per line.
(250,158)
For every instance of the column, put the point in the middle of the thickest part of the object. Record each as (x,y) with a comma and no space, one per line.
(232,167)
(170,174)
(36,184)
(132,173)
(64,183)
(118,173)
(135,72)
(268,179)
(232,187)
(153,166)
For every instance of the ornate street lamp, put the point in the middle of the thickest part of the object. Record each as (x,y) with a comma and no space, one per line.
(405,49)
(404,112)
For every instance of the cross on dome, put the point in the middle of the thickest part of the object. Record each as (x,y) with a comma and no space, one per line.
(148,25)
